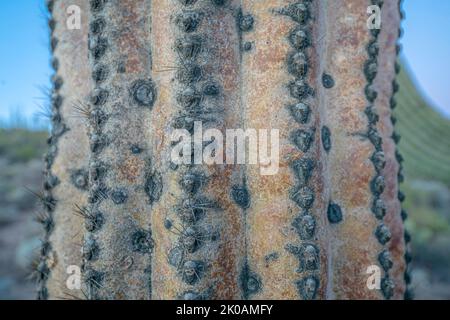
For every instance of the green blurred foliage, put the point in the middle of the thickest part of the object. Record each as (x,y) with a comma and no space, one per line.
(22,145)
(425,147)
(425,142)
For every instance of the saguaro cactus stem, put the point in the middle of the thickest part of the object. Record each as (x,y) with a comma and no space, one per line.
(157,229)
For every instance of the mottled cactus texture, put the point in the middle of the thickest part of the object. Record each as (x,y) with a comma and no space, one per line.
(66,162)
(141,227)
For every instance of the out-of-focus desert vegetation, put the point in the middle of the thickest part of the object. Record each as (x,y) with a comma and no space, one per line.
(21,165)
(425,146)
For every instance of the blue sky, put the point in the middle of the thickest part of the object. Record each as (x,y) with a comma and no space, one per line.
(24,57)
(426,48)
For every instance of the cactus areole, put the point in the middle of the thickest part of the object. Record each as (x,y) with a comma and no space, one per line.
(238,149)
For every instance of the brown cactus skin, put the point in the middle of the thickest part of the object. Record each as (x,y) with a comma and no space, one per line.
(70,161)
(383,84)
(349,165)
(248,242)
(338,54)
(271,217)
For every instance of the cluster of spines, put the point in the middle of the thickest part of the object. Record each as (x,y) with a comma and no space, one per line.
(245,23)
(407,237)
(94,218)
(377,184)
(42,270)
(193,235)
(303,195)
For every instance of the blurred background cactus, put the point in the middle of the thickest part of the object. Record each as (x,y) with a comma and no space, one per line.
(424,146)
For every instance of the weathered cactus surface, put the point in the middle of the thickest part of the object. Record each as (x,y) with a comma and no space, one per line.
(66,162)
(155,229)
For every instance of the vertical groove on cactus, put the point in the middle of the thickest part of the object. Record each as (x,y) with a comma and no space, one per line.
(123,183)
(249,281)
